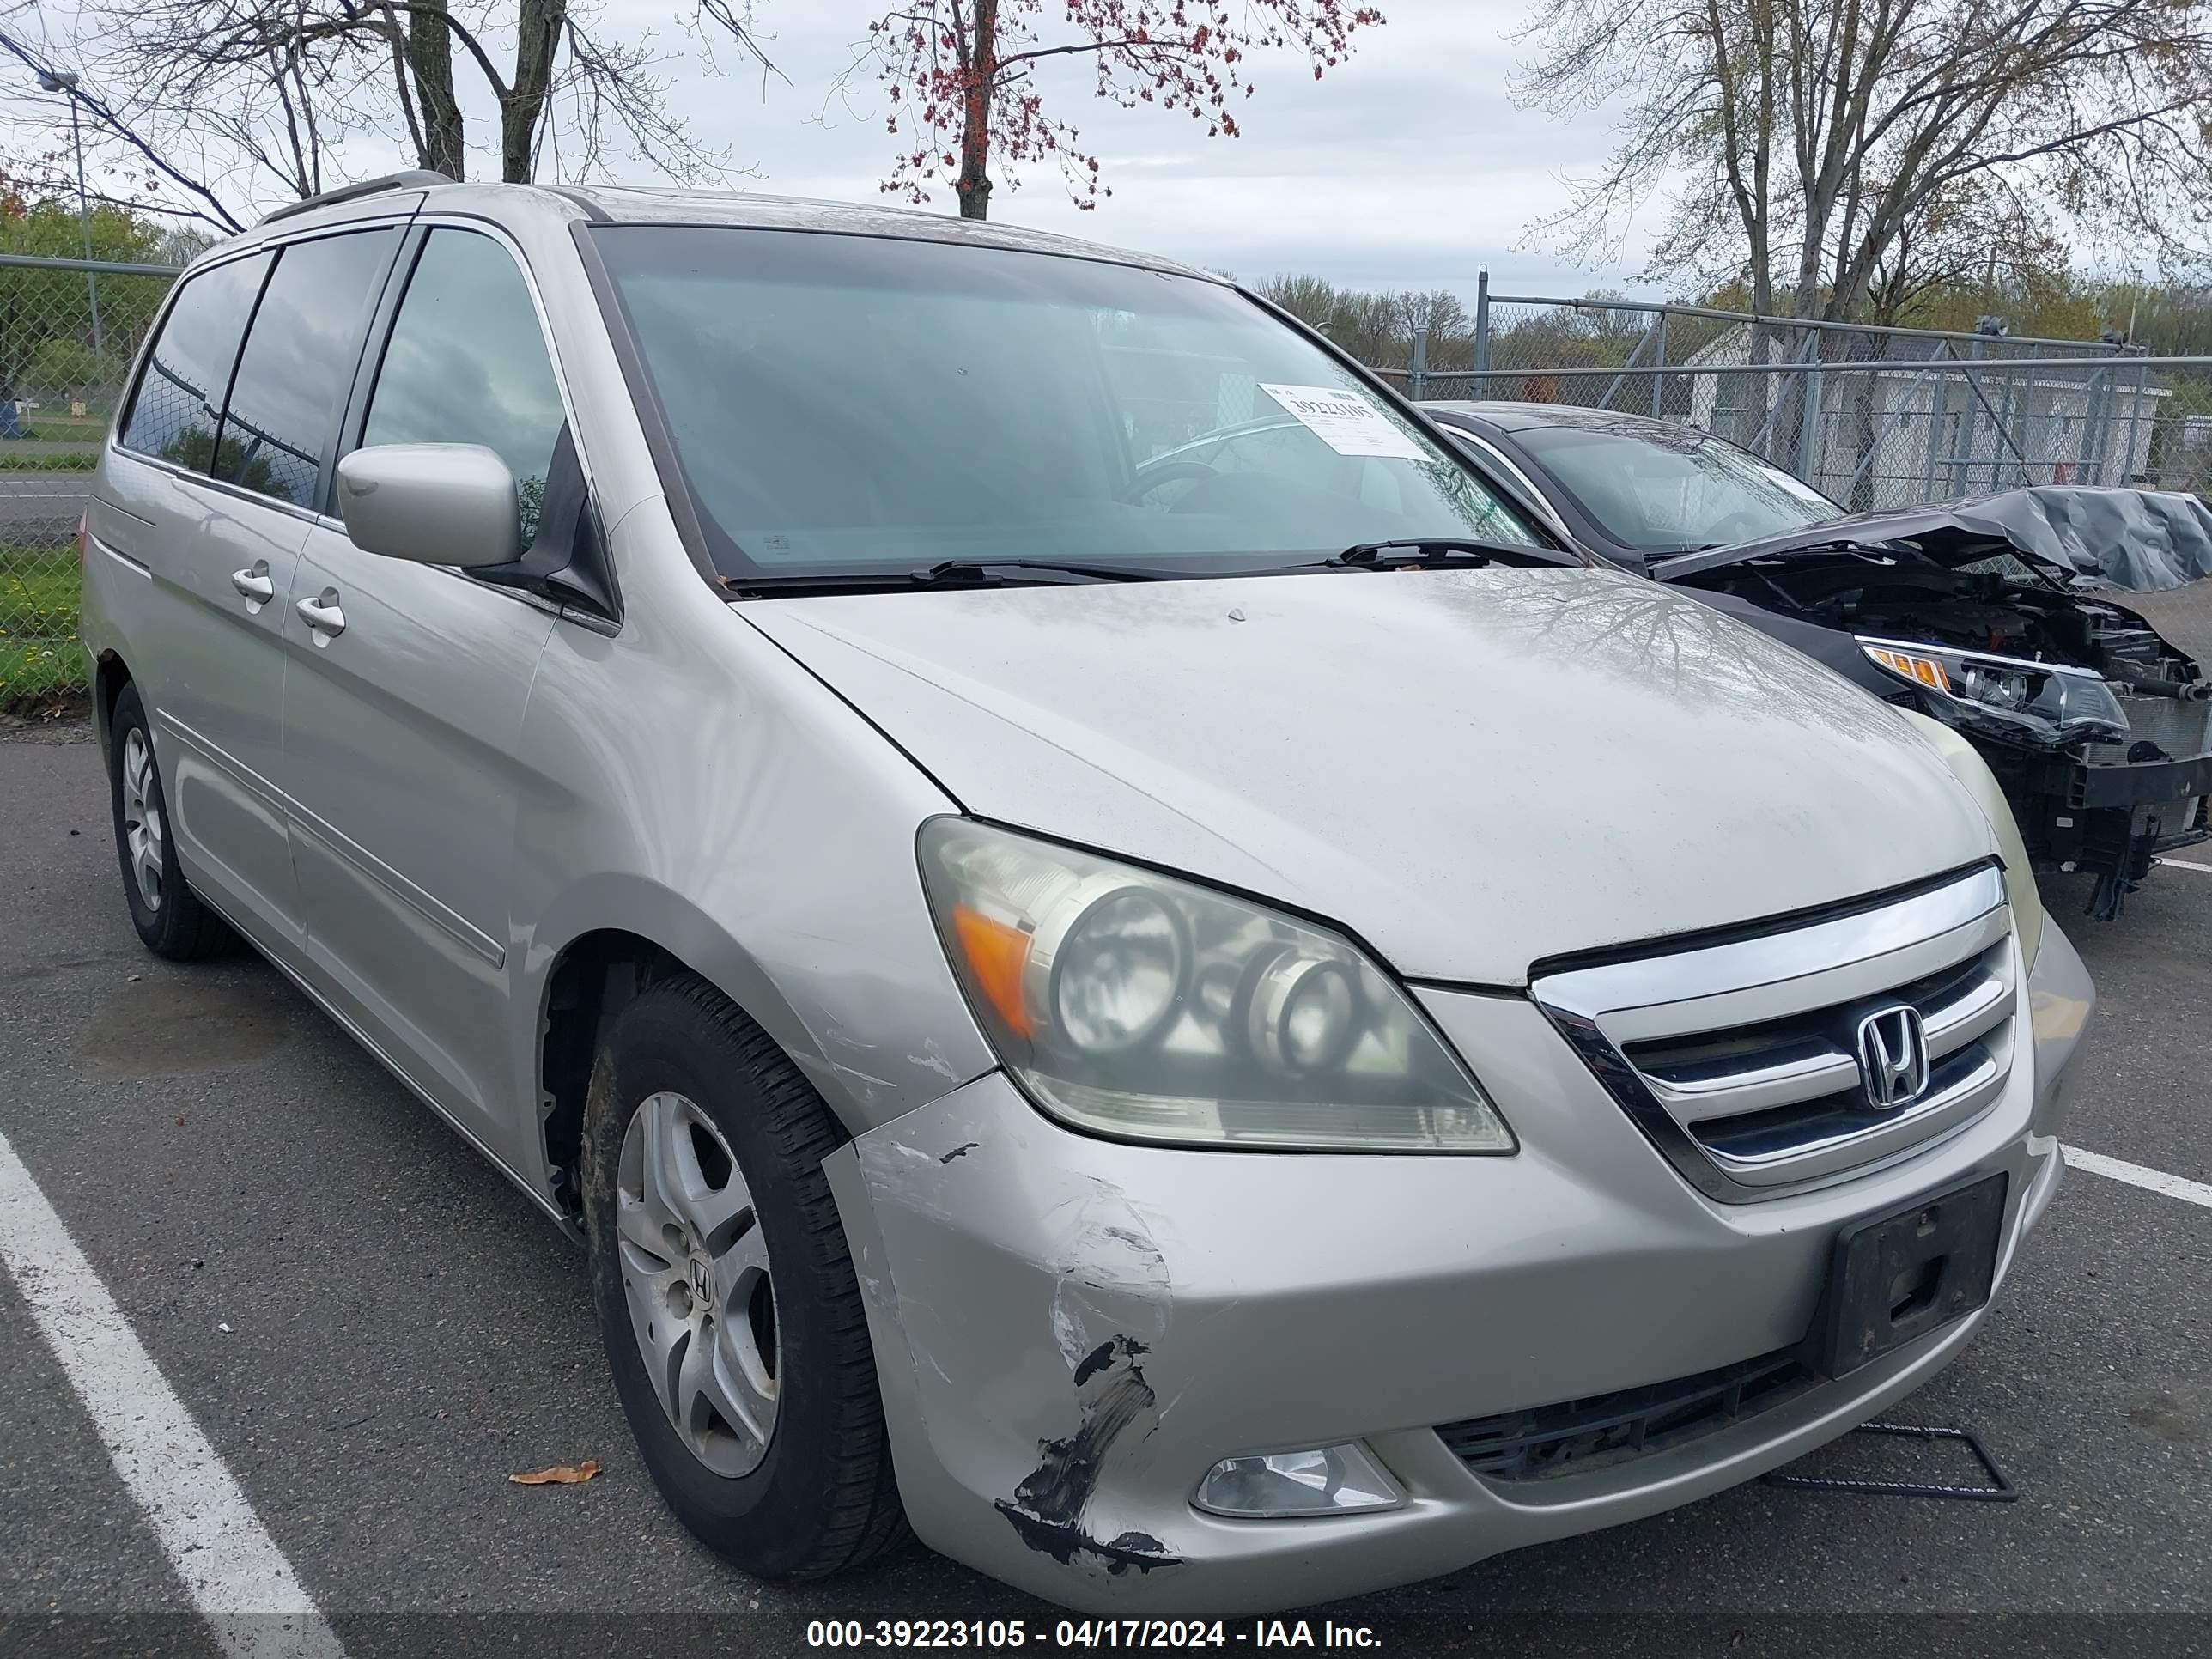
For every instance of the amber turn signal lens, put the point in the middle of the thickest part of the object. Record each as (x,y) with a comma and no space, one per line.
(1924,669)
(996,956)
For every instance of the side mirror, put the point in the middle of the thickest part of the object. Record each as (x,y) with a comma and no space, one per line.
(432,503)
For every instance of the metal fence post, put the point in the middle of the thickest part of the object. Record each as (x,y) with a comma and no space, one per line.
(1939,411)
(1962,462)
(2128,467)
(1417,372)
(1659,361)
(84,224)
(1808,425)
(2095,438)
(1481,325)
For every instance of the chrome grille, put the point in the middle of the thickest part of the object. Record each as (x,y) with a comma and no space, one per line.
(1740,1059)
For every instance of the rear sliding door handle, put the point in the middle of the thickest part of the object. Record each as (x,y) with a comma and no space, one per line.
(254,585)
(325,621)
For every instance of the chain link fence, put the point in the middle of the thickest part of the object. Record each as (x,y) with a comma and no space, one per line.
(69,330)
(1872,418)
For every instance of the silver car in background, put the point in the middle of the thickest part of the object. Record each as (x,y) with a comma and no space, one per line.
(1206,1033)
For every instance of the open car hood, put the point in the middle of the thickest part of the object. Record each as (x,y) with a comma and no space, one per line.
(2140,539)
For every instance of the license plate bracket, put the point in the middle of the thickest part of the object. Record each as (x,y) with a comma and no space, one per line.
(1900,1276)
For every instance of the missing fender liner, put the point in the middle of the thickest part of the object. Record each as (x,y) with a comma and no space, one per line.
(1046,1508)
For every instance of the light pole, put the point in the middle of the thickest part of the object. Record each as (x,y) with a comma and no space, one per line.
(65,82)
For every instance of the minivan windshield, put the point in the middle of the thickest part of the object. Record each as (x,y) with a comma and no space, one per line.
(843,405)
(1673,489)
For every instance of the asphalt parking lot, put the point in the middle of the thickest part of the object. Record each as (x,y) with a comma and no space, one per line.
(372,1331)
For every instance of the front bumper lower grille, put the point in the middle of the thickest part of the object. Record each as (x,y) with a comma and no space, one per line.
(1575,1436)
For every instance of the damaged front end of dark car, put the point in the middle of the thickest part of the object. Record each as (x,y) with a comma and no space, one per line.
(2006,617)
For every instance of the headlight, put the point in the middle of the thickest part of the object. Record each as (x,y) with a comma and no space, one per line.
(2072,702)
(1134,1005)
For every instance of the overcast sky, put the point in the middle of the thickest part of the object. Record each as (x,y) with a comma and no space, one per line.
(1407,167)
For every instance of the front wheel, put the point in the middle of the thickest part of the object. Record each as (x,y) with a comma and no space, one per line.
(726,1298)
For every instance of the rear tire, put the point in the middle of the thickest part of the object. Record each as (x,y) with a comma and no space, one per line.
(731,1317)
(170,919)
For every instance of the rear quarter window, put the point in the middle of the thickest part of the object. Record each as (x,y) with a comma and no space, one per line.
(179,401)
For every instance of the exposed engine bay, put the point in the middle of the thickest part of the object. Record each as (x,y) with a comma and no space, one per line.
(2098,728)
(2002,605)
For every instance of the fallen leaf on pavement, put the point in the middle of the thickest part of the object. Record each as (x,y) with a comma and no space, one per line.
(561,1474)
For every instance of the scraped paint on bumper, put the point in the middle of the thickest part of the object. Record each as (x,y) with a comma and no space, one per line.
(1070,1332)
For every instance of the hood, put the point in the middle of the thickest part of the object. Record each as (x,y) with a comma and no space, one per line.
(1470,769)
(2140,539)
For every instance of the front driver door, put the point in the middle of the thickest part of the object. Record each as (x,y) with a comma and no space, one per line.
(405,700)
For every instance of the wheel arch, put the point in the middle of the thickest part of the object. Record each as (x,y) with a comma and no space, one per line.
(638,935)
(110,674)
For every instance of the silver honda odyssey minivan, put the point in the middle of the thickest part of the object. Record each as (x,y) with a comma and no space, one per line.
(1207,1025)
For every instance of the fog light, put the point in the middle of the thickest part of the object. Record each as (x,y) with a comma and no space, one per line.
(1327,1480)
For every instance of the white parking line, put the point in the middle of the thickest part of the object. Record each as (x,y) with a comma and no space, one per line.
(2187,863)
(237,1578)
(2136,1175)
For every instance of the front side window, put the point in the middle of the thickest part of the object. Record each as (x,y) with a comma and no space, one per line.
(467,364)
(298,362)
(1674,491)
(850,404)
(178,403)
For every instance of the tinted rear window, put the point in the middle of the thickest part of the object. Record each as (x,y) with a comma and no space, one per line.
(299,359)
(181,391)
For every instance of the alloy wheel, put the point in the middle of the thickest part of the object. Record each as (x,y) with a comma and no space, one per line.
(143,833)
(694,1272)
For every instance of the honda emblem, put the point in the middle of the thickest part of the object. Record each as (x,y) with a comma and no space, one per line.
(1893,1057)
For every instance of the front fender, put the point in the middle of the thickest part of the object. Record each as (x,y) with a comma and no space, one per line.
(728,808)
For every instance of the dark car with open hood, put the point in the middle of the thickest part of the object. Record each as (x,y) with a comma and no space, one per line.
(2009,617)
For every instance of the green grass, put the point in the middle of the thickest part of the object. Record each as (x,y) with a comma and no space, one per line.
(65,429)
(82,461)
(39,657)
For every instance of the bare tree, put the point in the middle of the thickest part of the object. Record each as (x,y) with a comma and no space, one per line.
(154,169)
(1821,147)
(231,98)
(961,75)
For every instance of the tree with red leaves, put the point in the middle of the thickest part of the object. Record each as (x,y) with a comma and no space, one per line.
(961,74)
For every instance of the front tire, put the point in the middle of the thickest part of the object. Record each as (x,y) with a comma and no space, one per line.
(727,1302)
(170,919)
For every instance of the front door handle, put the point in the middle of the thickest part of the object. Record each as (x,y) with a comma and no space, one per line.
(325,621)
(254,585)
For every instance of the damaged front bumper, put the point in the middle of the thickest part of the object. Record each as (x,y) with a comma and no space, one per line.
(1069,1332)
(2139,783)
(2111,818)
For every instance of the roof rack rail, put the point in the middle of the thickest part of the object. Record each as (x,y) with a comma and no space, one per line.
(410,178)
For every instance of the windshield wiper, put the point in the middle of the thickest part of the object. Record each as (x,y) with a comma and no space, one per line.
(991,573)
(1433,552)
(951,573)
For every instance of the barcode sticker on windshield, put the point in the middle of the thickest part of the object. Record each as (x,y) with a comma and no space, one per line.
(1344,421)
